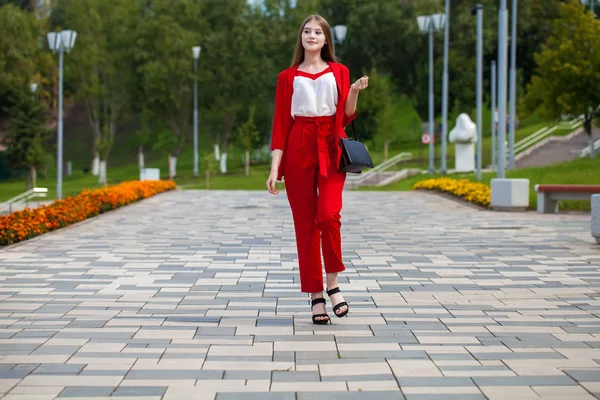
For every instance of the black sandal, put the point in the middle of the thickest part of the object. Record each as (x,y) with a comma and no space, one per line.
(339,305)
(315,316)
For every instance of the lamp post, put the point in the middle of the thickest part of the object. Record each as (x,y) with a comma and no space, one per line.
(443,168)
(506,194)
(429,24)
(502,69)
(494,114)
(33,88)
(196,53)
(513,87)
(60,42)
(478,10)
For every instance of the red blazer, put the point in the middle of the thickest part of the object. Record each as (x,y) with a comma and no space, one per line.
(282,120)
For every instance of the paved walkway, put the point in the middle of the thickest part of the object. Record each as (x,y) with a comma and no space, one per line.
(194,295)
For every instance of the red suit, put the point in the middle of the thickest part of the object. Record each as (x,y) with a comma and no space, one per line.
(314,183)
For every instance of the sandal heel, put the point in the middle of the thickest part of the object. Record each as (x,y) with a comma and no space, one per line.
(330,293)
(315,316)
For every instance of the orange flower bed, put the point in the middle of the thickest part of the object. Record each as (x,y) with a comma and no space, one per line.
(28,223)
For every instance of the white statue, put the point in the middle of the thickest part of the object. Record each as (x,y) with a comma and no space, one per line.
(465,130)
(464,136)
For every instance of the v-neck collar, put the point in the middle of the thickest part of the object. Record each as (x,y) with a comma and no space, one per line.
(314,76)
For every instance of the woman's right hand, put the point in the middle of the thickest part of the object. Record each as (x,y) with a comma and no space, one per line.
(271,183)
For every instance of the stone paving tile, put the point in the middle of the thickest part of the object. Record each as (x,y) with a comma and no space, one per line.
(194,294)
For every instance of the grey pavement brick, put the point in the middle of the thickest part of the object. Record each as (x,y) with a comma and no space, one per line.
(256,396)
(524,381)
(139,391)
(86,391)
(58,369)
(374,395)
(235,374)
(584,375)
(214,331)
(293,376)
(445,397)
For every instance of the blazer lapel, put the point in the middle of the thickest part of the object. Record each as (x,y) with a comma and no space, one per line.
(338,77)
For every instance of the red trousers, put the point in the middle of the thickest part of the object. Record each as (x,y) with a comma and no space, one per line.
(314,185)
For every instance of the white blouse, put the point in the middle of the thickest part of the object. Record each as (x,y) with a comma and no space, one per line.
(315,95)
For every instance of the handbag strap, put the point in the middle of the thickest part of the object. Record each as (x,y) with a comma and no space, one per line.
(354,131)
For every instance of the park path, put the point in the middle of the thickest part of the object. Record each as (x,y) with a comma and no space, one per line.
(194,295)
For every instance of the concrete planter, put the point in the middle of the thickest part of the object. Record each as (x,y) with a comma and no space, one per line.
(510,194)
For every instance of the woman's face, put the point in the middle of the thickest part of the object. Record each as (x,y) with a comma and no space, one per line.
(313,38)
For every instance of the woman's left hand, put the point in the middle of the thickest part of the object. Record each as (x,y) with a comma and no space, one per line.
(360,84)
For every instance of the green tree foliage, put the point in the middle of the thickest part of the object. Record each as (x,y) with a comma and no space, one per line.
(25,135)
(248,137)
(18,46)
(102,63)
(238,61)
(27,5)
(568,74)
(371,101)
(166,33)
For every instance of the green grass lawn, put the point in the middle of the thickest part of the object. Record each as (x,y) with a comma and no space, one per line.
(579,171)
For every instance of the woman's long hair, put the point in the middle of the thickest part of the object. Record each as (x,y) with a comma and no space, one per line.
(327,52)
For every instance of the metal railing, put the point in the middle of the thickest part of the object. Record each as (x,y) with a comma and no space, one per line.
(359,178)
(586,149)
(23,198)
(544,132)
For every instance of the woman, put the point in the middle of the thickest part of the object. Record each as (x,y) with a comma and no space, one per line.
(314,102)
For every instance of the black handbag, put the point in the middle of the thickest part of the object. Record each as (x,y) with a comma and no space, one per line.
(355,156)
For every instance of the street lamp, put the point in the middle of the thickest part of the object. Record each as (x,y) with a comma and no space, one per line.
(340,33)
(502,72)
(445,90)
(513,87)
(494,113)
(478,10)
(60,42)
(196,53)
(429,24)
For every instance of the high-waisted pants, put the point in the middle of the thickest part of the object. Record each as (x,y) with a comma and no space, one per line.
(314,185)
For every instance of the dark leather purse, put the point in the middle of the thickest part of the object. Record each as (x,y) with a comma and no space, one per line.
(355,156)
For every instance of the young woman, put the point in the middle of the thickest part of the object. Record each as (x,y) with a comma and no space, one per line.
(314,102)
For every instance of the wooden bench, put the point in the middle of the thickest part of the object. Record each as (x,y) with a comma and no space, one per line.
(549,195)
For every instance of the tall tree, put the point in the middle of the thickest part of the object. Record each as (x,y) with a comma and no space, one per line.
(568,74)
(163,52)
(18,46)
(102,63)
(26,133)
(239,66)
